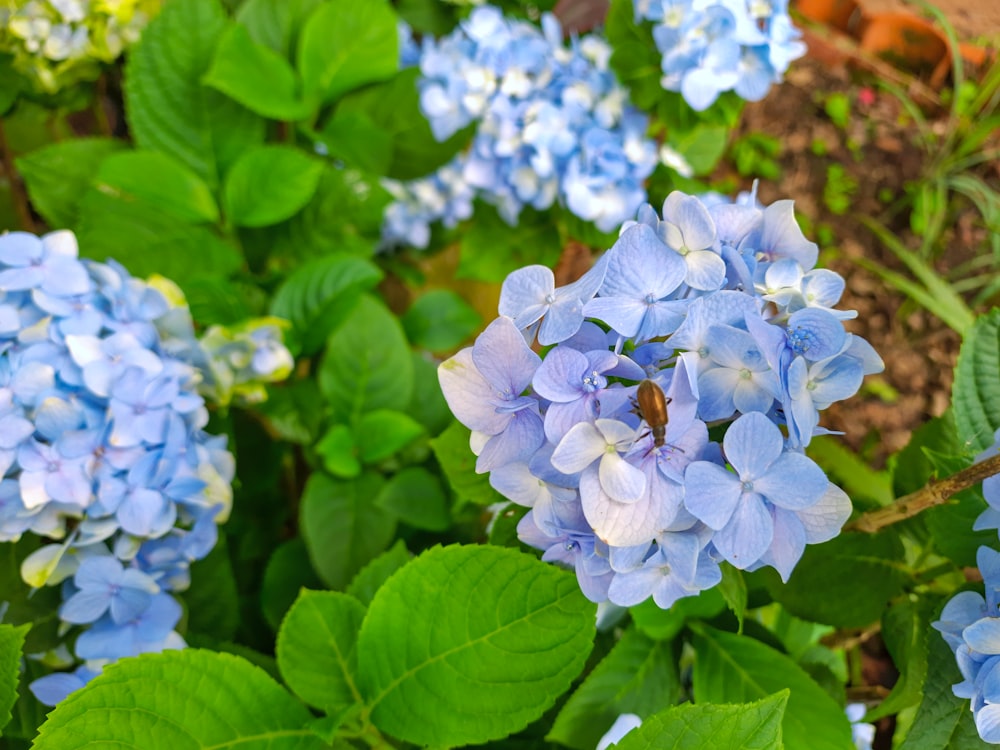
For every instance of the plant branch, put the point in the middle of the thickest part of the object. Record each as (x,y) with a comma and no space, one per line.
(934,493)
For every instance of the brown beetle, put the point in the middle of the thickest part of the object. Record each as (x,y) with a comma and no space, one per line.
(652,405)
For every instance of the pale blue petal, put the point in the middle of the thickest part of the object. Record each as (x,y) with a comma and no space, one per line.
(751,444)
(523,435)
(85,606)
(581,446)
(793,481)
(748,534)
(988,723)
(984,635)
(705,270)
(560,376)
(469,395)
(624,315)
(711,493)
(788,544)
(523,294)
(503,357)
(716,387)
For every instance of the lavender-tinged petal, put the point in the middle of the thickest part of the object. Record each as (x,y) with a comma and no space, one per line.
(503,357)
(469,395)
(523,294)
(560,376)
(581,446)
(522,437)
(623,314)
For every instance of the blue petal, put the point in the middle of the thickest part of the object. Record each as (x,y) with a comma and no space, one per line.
(711,493)
(751,444)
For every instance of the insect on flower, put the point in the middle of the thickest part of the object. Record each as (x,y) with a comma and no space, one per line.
(652,407)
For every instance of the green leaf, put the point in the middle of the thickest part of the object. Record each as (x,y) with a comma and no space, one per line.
(57,176)
(462,631)
(491,248)
(367,364)
(905,629)
(339,453)
(345,215)
(146,240)
(167,107)
(394,108)
(176,190)
(733,588)
(319,295)
(942,721)
(417,498)
(975,396)
(26,606)
(824,586)
(748,726)
(458,462)
(664,624)
(354,137)
(428,405)
(736,669)
(270,184)
(440,320)
(427,16)
(639,676)
(291,411)
(347,44)
(850,471)
(287,571)
(703,147)
(316,649)
(343,527)
(212,600)
(634,58)
(188,699)
(384,432)
(257,77)
(11,648)
(276,23)
(368,580)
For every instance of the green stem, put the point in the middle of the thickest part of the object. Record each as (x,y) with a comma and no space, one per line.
(933,494)
(17,189)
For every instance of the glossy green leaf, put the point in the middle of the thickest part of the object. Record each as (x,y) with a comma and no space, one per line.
(905,630)
(212,600)
(736,669)
(639,676)
(975,395)
(394,108)
(354,137)
(746,726)
(11,648)
(257,77)
(468,644)
(367,364)
(942,721)
(824,586)
(146,240)
(180,700)
(176,190)
(276,23)
(319,295)
(347,44)
(733,588)
(458,462)
(416,496)
(374,574)
(440,320)
(316,649)
(288,570)
(270,184)
(57,175)
(343,527)
(167,107)
(339,452)
(384,432)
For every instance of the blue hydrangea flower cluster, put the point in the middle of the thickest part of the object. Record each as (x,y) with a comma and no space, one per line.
(103,448)
(721,307)
(552,123)
(970,624)
(711,46)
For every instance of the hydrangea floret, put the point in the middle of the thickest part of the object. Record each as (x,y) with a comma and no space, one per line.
(720,305)
(552,125)
(56,43)
(712,46)
(103,447)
